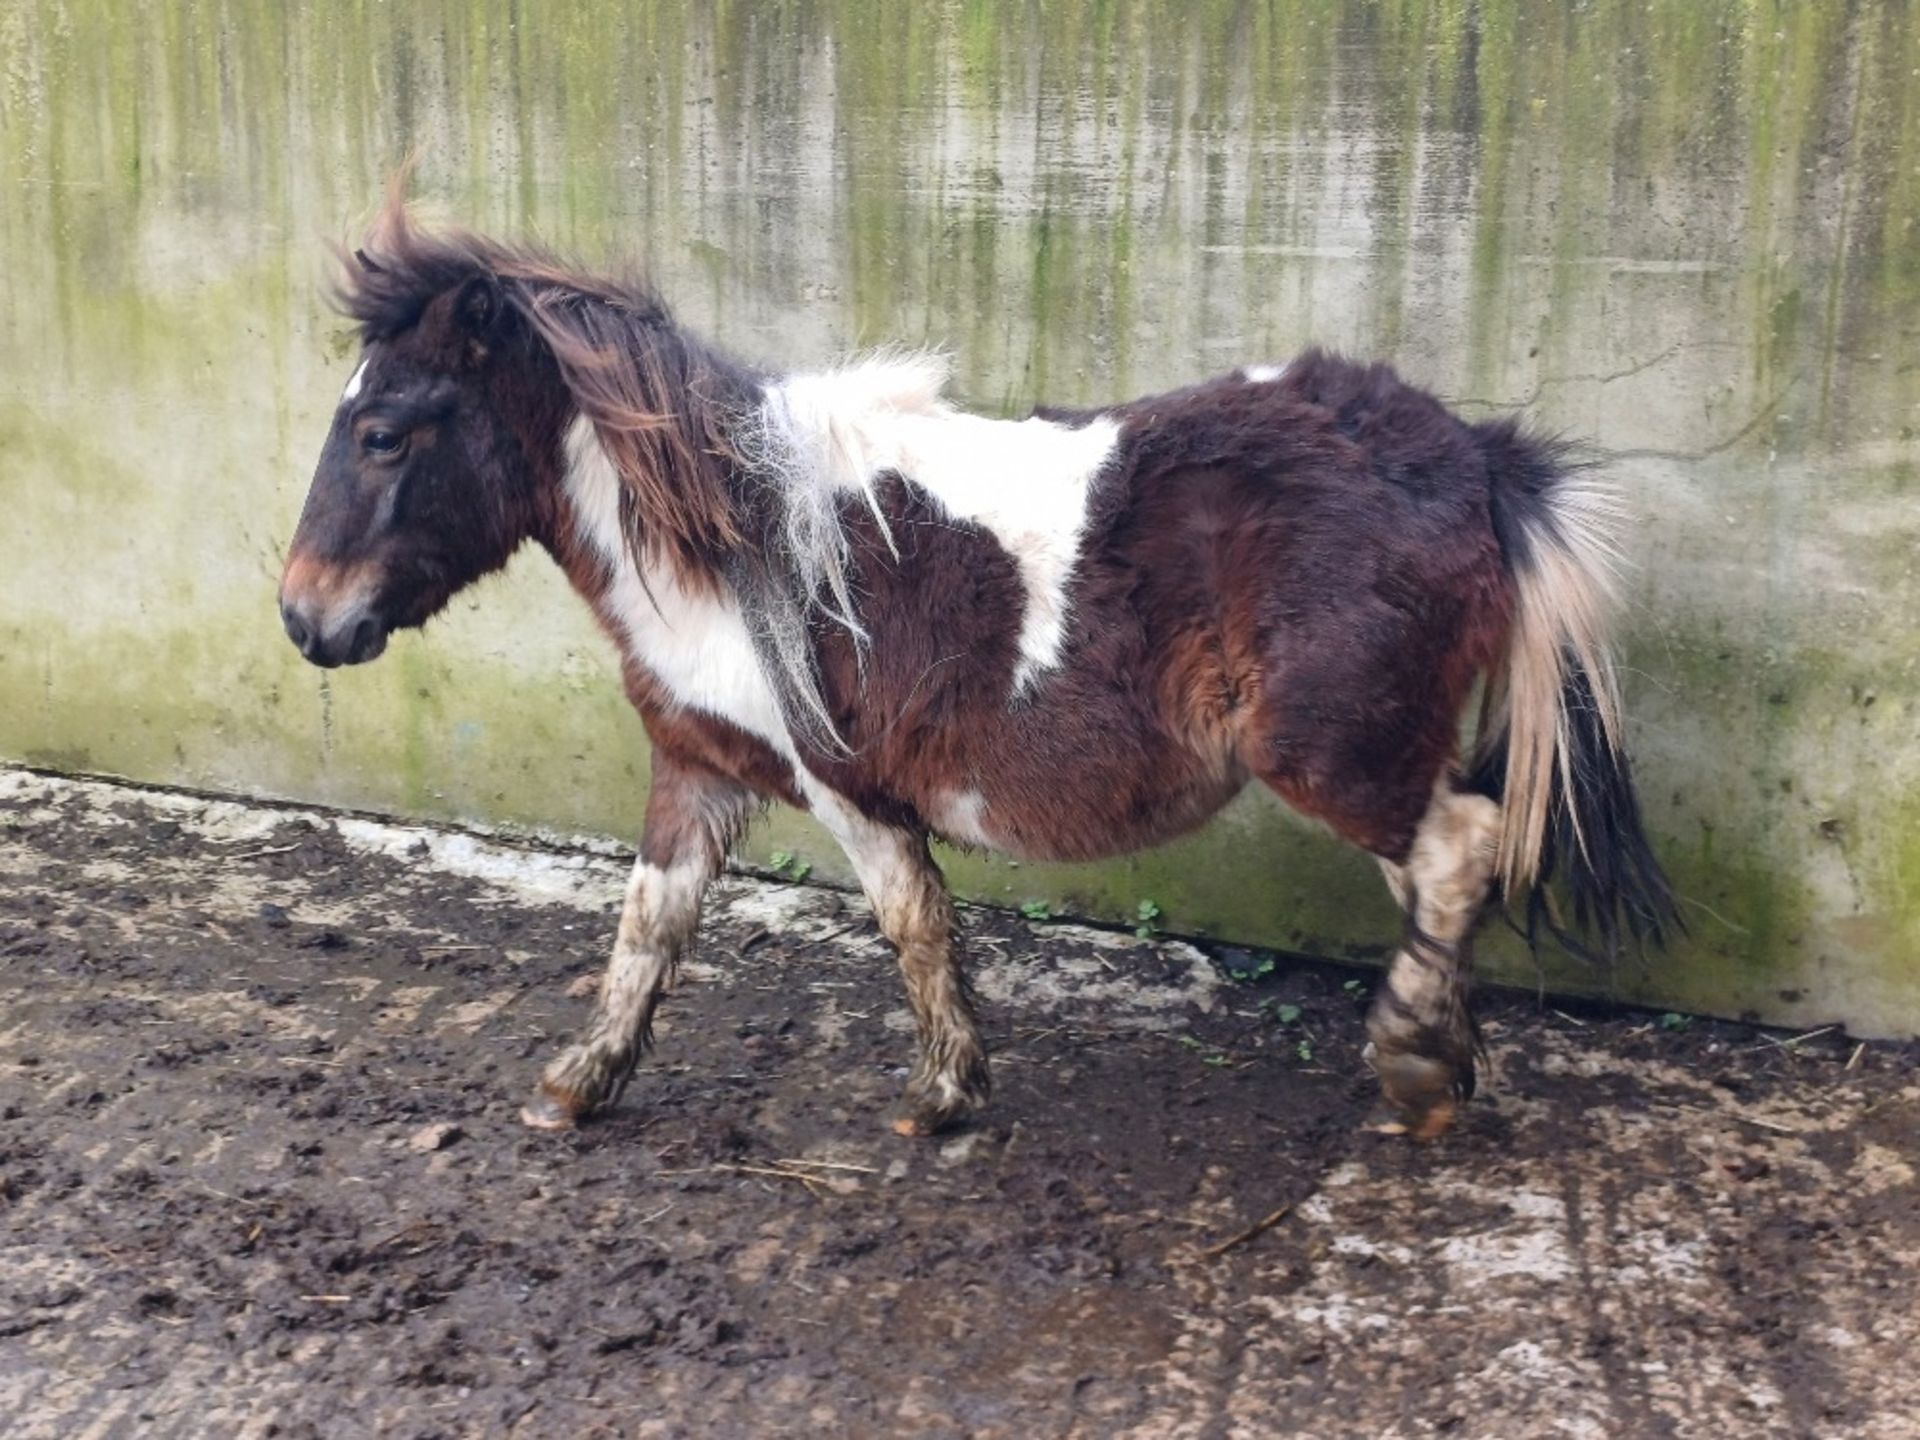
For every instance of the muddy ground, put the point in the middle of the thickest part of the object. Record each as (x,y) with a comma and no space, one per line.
(260,1174)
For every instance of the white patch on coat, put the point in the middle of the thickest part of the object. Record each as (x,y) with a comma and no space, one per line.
(352,392)
(1451,868)
(1262,374)
(809,436)
(663,902)
(697,649)
(1025,482)
(885,859)
(656,920)
(695,646)
(961,816)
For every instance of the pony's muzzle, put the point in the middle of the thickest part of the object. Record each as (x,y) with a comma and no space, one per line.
(331,612)
(350,639)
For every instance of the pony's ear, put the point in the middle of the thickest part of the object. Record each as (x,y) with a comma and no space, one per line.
(476,313)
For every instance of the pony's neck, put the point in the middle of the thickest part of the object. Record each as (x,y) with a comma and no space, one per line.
(662,406)
(538,409)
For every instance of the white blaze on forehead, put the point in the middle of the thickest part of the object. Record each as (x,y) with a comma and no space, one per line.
(695,646)
(1263,374)
(352,392)
(1026,482)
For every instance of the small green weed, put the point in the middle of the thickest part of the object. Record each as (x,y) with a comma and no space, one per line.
(1217,1059)
(1037,910)
(1672,1020)
(789,866)
(1146,917)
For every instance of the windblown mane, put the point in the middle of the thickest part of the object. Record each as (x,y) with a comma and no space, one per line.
(724,479)
(661,402)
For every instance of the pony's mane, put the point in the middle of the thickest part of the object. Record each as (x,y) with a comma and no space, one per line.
(661,402)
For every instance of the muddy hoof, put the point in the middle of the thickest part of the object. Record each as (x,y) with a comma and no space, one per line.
(921,1116)
(550,1111)
(1425,1093)
(920,1125)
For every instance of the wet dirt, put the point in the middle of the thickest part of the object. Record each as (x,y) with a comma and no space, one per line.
(261,1174)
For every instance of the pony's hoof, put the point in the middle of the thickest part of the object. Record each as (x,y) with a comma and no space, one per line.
(921,1116)
(920,1122)
(1424,1092)
(550,1110)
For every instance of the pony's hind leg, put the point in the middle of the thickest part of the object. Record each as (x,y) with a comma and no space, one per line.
(1421,1032)
(693,815)
(910,903)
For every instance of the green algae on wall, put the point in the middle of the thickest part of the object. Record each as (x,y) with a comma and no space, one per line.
(1683,230)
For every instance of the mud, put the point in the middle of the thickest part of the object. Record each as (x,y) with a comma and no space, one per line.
(260,1174)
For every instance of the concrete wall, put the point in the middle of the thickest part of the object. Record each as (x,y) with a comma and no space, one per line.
(1682,228)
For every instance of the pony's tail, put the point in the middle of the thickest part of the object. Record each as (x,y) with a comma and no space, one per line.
(1550,747)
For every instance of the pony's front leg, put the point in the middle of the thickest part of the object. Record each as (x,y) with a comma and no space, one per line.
(1422,1037)
(909,896)
(693,816)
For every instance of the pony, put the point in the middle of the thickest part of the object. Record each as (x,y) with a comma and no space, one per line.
(1058,638)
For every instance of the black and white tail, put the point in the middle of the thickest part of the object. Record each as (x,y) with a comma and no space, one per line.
(1551,749)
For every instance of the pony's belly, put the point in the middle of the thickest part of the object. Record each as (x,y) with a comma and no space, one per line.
(1062,826)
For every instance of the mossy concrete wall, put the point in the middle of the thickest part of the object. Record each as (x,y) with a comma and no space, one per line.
(1682,229)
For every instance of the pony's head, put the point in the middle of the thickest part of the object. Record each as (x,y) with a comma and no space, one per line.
(447,447)
(427,480)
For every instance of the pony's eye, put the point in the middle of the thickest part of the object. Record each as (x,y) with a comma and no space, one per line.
(383,442)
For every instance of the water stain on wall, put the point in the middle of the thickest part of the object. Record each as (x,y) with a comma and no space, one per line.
(1683,231)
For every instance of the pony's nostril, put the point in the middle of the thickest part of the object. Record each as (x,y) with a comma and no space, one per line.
(365,635)
(297,630)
